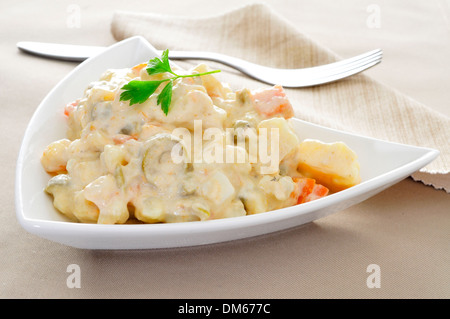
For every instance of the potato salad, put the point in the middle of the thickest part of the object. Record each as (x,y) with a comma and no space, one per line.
(217,153)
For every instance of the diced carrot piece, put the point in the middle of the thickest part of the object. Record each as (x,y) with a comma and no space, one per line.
(272,102)
(307,190)
(70,107)
(137,68)
(318,191)
(304,187)
(109,97)
(122,138)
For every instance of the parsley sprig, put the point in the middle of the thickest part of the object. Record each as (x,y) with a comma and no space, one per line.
(137,91)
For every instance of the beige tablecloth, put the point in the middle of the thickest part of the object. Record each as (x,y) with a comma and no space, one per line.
(405,230)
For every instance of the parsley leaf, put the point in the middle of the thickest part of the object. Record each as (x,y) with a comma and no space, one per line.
(157,66)
(138,91)
(165,97)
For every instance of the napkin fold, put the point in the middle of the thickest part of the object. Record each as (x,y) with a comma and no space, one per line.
(358,104)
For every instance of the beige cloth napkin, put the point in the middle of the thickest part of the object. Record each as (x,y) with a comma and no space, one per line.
(357,104)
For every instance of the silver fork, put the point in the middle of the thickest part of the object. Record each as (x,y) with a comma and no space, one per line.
(285,77)
(290,77)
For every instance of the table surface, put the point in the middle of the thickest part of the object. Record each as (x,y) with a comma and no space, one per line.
(405,230)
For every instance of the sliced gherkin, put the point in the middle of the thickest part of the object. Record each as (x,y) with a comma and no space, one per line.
(242,130)
(150,210)
(201,211)
(164,155)
(118,175)
(61,180)
(60,188)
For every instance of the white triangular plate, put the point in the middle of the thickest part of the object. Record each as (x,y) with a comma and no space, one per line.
(382,165)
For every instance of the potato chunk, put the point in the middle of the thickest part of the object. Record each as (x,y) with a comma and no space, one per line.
(287,141)
(55,156)
(333,165)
